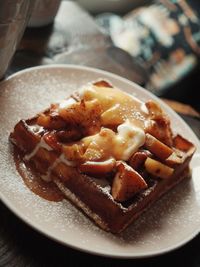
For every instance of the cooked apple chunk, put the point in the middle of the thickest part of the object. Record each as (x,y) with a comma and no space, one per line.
(102,83)
(98,168)
(159,149)
(157,168)
(51,121)
(112,116)
(158,124)
(137,159)
(84,114)
(127,182)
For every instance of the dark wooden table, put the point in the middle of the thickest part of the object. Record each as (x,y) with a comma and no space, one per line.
(74,38)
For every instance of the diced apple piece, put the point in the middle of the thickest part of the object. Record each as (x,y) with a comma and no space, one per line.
(159,149)
(99,145)
(93,154)
(81,111)
(96,168)
(157,168)
(43,120)
(137,159)
(102,83)
(69,135)
(154,109)
(51,121)
(112,116)
(159,124)
(85,115)
(127,182)
(74,152)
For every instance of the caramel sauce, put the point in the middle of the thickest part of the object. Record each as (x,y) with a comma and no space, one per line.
(31,178)
(117,106)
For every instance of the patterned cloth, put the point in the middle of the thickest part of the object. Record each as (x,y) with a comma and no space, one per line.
(164,37)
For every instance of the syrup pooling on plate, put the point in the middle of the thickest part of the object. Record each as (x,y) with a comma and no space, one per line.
(32,180)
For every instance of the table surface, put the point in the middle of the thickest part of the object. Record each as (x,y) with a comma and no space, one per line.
(77,40)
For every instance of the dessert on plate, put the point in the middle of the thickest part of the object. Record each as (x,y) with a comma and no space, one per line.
(109,153)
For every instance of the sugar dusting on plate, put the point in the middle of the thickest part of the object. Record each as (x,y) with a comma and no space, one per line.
(171,221)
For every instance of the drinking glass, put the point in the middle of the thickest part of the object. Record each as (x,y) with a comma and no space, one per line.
(14,16)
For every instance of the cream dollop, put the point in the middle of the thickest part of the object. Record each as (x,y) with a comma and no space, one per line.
(128,140)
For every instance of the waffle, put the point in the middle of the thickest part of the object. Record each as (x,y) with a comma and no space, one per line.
(109,153)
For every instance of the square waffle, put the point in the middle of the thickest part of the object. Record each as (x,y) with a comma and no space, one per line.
(109,153)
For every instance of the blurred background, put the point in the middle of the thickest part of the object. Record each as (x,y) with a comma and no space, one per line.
(153,43)
(118,6)
(161,36)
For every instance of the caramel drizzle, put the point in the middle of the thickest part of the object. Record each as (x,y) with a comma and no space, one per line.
(41,144)
(60,159)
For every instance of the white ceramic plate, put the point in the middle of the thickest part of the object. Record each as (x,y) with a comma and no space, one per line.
(170,223)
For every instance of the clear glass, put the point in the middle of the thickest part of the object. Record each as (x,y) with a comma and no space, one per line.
(14,16)
(44,12)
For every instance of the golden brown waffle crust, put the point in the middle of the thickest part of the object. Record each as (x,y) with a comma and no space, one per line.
(100,206)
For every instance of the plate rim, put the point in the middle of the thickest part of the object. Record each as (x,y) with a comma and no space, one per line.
(80,247)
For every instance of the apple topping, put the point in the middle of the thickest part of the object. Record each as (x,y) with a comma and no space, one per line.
(51,121)
(119,145)
(127,182)
(158,123)
(98,168)
(112,116)
(74,152)
(84,115)
(159,149)
(68,135)
(137,160)
(102,83)
(157,168)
